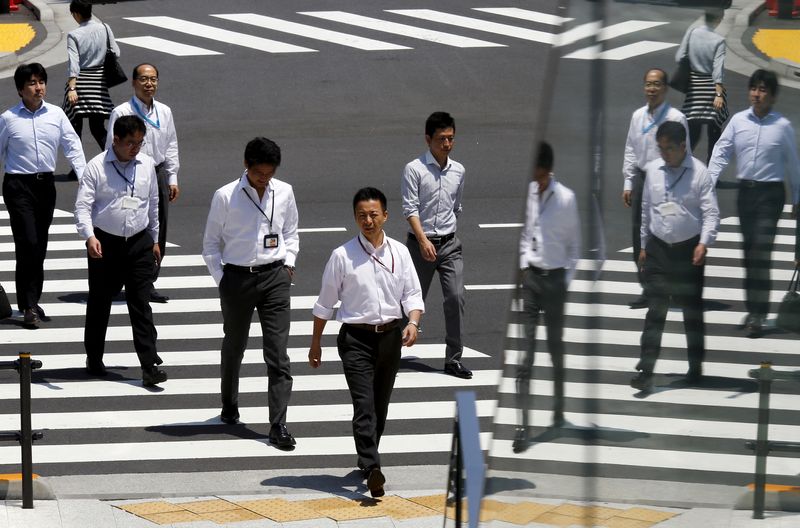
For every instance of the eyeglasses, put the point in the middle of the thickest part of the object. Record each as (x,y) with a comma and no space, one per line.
(134,144)
(445,139)
(145,80)
(653,84)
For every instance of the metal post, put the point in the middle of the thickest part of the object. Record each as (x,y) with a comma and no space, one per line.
(26,435)
(762,444)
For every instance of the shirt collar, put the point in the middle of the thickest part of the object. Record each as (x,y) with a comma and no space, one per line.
(21,107)
(430,160)
(686,163)
(244,183)
(143,105)
(550,188)
(656,110)
(112,156)
(367,244)
(752,115)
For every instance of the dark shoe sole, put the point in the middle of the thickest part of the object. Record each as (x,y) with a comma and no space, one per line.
(149,381)
(375,483)
(455,374)
(230,420)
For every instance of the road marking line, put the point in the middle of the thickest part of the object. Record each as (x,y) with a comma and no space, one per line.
(321,229)
(58,245)
(377,24)
(496,226)
(525,14)
(167,46)
(623,52)
(303,30)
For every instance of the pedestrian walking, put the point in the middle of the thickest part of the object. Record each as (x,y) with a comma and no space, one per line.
(161,144)
(31,133)
(431,188)
(373,277)
(250,247)
(116,212)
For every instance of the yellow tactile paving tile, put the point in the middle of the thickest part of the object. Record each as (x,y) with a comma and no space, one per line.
(556,519)
(622,522)
(522,513)
(15,36)
(434,502)
(779,43)
(352,512)
(331,503)
(206,506)
(644,514)
(232,516)
(280,510)
(401,509)
(146,508)
(181,516)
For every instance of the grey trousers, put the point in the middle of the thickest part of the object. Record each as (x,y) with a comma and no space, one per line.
(163,213)
(268,293)
(450,266)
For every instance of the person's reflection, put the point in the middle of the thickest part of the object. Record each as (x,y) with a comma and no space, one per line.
(549,248)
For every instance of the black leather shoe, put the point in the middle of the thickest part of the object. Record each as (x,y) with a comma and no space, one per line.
(152,376)
(31,319)
(40,311)
(639,302)
(375,482)
(95,368)
(229,416)
(642,381)
(458,370)
(157,297)
(558,420)
(520,440)
(280,437)
(694,376)
(753,326)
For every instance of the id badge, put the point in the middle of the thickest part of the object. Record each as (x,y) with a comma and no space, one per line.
(129,202)
(668,208)
(270,241)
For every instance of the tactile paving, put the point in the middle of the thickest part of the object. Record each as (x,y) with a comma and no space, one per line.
(352,512)
(644,514)
(622,522)
(331,503)
(181,516)
(557,519)
(146,508)
(281,510)
(206,506)
(434,502)
(522,513)
(400,508)
(231,516)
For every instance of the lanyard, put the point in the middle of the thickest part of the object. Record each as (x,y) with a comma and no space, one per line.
(260,210)
(376,259)
(670,187)
(543,206)
(657,118)
(132,181)
(138,109)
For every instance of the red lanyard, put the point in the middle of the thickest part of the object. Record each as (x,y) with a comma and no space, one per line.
(376,259)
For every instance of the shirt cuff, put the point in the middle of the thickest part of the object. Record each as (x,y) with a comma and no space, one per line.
(322,312)
(628,185)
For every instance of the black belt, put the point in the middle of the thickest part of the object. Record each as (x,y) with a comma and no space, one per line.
(99,233)
(435,240)
(688,242)
(750,184)
(545,272)
(253,269)
(378,329)
(36,175)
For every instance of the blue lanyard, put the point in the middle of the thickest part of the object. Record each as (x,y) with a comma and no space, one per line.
(657,119)
(141,114)
(132,181)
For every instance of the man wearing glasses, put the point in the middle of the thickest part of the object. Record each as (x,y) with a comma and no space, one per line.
(161,144)
(116,212)
(431,189)
(641,149)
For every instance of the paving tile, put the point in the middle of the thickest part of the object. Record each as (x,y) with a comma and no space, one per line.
(624,522)
(556,519)
(231,516)
(646,514)
(281,510)
(328,504)
(352,512)
(140,508)
(206,506)
(171,517)
(523,512)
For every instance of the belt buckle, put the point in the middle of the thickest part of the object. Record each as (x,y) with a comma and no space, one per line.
(252,269)
(39,176)
(379,328)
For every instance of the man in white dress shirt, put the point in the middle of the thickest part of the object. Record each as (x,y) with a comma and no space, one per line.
(161,144)
(680,218)
(549,249)
(374,278)
(250,247)
(116,212)
(641,149)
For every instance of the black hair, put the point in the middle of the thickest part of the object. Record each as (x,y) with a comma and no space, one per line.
(369,193)
(135,74)
(82,7)
(545,157)
(128,125)
(437,121)
(767,77)
(659,70)
(673,131)
(25,73)
(262,150)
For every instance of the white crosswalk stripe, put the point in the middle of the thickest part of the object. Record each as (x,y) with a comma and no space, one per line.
(678,432)
(167,46)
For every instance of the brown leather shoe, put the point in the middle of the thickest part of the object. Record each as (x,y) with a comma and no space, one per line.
(375,482)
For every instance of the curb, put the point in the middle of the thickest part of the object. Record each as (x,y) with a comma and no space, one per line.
(45,14)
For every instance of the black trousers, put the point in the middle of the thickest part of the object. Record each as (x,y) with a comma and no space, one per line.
(714,131)
(542,291)
(669,273)
(30,201)
(267,292)
(97,126)
(370,362)
(163,213)
(636,219)
(126,262)
(760,206)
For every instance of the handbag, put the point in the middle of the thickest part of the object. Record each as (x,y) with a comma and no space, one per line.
(5,306)
(681,77)
(112,70)
(789,309)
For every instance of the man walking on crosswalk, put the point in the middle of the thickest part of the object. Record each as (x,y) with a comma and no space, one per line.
(250,247)
(680,218)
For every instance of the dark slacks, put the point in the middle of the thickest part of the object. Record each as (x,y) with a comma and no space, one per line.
(163,213)
(126,262)
(542,291)
(97,126)
(714,131)
(669,273)
(30,201)
(268,293)
(760,206)
(450,265)
(370,362)
(636,219)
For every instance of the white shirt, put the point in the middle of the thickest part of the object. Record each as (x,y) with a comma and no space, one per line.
(679,203)
(160,140)
(551,236)
(237,225)
(640,146)
(433,194)
(371,283)
(86,46)
(766,150)
(29,141)
(104,189)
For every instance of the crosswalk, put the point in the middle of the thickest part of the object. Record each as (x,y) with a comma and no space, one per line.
(679,432)
(114,424)
(399,29)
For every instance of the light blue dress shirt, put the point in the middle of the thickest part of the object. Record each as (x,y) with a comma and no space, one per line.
(433,194)
(29,141)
